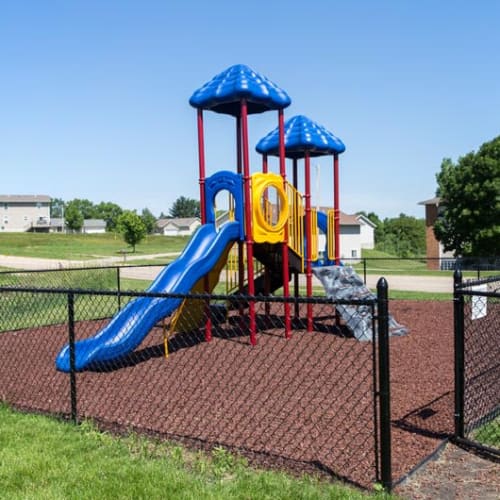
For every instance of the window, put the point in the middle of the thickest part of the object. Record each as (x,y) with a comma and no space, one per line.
(5,206)
(354,254)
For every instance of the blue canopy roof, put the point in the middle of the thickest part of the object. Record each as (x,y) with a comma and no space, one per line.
(301,135)
(224,92)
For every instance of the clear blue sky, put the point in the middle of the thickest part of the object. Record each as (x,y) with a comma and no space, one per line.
(94,93)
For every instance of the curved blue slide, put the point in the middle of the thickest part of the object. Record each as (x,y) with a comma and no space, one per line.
(130,325)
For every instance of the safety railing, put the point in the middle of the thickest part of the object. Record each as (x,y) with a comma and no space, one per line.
(295,221)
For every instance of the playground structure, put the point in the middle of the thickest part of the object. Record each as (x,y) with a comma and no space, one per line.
(271,221)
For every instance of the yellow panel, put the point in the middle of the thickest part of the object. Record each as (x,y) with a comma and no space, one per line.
(263,231)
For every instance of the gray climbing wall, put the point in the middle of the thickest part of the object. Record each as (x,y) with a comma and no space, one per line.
(343,283)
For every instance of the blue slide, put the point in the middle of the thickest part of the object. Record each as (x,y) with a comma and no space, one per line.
(130,325)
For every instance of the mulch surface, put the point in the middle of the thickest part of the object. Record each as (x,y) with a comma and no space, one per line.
(304,403)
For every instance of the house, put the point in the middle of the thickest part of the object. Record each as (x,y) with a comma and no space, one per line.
(94,226)
(90,226)
(182,226)
(437,258)
(22,213)
(356,232)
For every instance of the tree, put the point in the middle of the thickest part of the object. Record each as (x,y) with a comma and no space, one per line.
(185,207)
(469,219)
(149,220)
(109,212)
(57,207)
(73,216)
(403,236)
(131,226)
(85,207)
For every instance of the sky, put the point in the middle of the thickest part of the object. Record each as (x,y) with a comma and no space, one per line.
(94,94)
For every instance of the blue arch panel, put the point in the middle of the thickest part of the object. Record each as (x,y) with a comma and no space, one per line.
(229,181)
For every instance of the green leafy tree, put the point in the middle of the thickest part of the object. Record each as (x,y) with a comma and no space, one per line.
(73,217)
(131,226)
(403,236)
(185,207)
(109,212)
(85,207)
(469,220)
(149,220)
(57,207)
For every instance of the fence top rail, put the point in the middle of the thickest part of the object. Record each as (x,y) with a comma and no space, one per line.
(465,286)
(477,293)
(86,268)
(200,296)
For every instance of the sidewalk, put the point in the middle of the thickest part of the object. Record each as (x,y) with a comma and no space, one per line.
(396,282)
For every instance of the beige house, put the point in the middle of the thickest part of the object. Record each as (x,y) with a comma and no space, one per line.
(356,232)
(183,226)
(21,213)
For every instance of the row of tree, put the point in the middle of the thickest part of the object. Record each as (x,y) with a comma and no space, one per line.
(469,210)
(468,221)
(403,236)
(75,211)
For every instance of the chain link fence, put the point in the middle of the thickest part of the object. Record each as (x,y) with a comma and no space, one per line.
(308,403)
(477,362)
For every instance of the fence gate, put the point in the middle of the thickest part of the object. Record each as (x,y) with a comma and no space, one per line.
(477,363)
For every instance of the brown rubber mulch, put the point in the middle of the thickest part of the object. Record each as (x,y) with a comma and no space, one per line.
(304,403)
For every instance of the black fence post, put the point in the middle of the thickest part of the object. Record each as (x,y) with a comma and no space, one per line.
(458,326)
(72,369)
(364,270)
(384,383)
(118,287)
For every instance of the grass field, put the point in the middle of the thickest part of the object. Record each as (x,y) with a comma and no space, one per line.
(44,458)
(83,246)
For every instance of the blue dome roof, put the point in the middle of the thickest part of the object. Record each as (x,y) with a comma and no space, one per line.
(301,135)
(224,92)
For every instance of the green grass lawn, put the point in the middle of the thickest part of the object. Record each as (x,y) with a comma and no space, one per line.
(83,246)
(43,458)
(489,434)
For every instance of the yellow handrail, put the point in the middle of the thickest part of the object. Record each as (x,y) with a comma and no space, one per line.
(295,221)
(314,234)
(330,234)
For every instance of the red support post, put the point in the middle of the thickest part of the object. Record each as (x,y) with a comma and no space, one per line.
(201,162)
(267,277)
(336,207)
(248,220)
(203,212)
(295,182)
(239,166)
(307,197)
(285,267)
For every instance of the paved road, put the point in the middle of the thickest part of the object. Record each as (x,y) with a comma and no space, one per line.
(399,282)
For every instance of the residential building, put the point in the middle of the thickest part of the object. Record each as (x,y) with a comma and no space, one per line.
(94,226)
(182,226)
(22,213)
(90,226)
